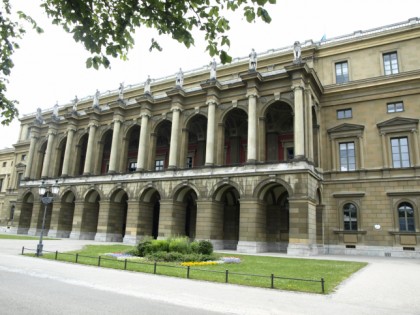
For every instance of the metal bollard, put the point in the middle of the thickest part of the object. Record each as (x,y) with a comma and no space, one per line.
(56,254)
(272,281)
(125,264)
(227,276)
(322,285)
(99,261)
(188,272)
(154,268)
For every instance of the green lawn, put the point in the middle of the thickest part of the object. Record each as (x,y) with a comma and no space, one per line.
(248,272)
(22,237)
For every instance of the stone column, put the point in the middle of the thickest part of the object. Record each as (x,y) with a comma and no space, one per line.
(132,228)
(210,222)
(143,141)
(30,159)
(68,151)
(55,217)
(384,150)
(171,218)
(106,224)
(37,215)
(362,153)
(115,146)
(211,131)
(89,151)
(252,128)
(173,150)
(76,231)
(299,132)
(416,160)
(310,131)
(48,153)
(302,231)
(252,227)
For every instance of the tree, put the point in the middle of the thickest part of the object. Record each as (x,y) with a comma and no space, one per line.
(106,28)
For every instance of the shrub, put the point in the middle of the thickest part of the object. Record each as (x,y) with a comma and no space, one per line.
(194,247)
(205,247)
(165,256)
(142,247)
(158,246)
(180,245)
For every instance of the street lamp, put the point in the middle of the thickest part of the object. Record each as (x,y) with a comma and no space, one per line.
(47,196)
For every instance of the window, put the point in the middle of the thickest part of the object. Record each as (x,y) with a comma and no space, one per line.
(341,72)
(344,113)
(390,63)
(350,217)
(19,179)
(347,156)
(132,166)
(159,165)
(406,217)
(12,213)
(400,153)
(189,163)
(23,158)
(1,183)
(4,164)
(395,107)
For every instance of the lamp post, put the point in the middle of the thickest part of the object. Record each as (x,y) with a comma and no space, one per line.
(47,196)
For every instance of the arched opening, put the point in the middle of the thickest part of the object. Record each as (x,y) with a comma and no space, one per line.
(132,148)
(236,136)
(25,213)
(66,214)
(196,151)
(227,207)
(117,220)
(185,204)
(149,213)
(106,145)
(279,132)
(90,216)
(276,202)
(163,140)
(81,155)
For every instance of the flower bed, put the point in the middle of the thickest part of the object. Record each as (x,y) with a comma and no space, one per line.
(222,260)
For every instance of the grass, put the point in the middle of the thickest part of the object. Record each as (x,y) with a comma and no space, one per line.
(22,237)
(245,273)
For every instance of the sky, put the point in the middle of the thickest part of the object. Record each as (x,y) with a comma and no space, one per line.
(50,67)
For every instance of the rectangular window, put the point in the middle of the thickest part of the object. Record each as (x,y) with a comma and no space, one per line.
(395,107)
(4,164)
(341,72)
(344,113)
(1,183)
(23,158)
(159,164)
(347,157)
(189,163)
(400,152)
(390,63)
(132,166)
(290,153)
(19,179)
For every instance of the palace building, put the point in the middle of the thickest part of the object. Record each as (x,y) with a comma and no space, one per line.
(309,149)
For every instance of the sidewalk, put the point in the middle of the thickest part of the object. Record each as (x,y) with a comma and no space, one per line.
(386,286)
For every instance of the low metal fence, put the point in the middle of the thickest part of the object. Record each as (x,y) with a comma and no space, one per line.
(100,261)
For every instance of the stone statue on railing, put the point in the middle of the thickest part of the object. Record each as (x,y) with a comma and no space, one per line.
(96,99)
(147,84)
(253,60)
(179,80)
(55,111)
(297,51)
(75,103)
(213,67)
(38,116)
(121,92)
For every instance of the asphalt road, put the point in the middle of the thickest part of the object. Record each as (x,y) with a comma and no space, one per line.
(33,286)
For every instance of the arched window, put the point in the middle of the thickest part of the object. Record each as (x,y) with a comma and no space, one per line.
(350,217)
(406,217)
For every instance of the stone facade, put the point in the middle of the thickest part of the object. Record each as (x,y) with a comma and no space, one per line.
(306,155)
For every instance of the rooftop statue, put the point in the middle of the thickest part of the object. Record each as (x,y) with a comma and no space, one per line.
(179,81)
(253,60)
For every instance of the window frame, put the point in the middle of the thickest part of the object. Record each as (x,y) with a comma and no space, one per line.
(389,62)
(340,158)
(355,211)
(400,152)
(345,112)
(406,223)
(341,78)
(394,104)
(159,165)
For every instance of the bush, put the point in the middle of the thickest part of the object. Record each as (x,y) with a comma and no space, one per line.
(194,247)
(142,247)
(205,247)
(180,245)
(165,256)
(158,246)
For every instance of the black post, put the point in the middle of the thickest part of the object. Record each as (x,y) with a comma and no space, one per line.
(23,249)
(125,264)
(154,268)
(322,285)
(99,261)
(272,281)
(227,276)
(77,258)
(188,272)
(56,254)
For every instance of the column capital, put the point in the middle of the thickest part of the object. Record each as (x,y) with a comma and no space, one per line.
(93,124)
(252,93)
(212,102)
(297,87)
(176,109)
(145,114)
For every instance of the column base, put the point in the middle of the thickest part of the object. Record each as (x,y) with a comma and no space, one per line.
(277,247)
(59,233)
(108,237)
(33,232)
(82,235)
(132,240)
(251,247)
(18,230)
(304,249)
